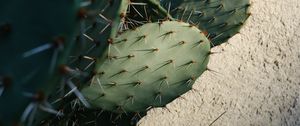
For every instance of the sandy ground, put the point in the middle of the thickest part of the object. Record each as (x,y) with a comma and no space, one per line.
(257,78)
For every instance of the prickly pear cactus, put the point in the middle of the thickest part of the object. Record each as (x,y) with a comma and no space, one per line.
(148,67)
(121,62)
(34,44)
(100,20)
(103,19)
(221,19)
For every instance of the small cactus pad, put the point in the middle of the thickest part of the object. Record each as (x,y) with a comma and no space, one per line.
(148,67)
(220,18)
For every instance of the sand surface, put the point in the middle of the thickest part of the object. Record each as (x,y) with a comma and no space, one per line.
(257,78)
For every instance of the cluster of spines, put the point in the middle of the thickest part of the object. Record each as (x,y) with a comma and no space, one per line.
(83,116)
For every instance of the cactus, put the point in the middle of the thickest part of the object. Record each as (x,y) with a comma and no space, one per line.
(220,18)
(100,20)
(35,41)
(145,11)
(103,19)
(109,50)
(148,67)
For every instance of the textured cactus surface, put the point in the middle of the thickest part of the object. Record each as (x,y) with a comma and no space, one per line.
(34,42)
(148,67)
(221,19)
(100,20)
(103,19)
(145,11)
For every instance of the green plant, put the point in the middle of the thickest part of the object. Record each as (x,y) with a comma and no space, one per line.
(35,42)
(221,19)
(148,67)
(120,57)
(103,20)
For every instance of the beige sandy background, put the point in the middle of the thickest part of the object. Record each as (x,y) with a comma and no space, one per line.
(257,78)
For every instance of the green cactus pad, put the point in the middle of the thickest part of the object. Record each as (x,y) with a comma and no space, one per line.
(221,19)
(35,38)
(102,19)
(148,67)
